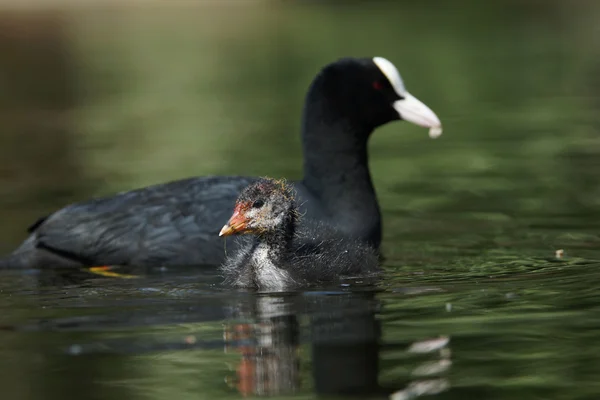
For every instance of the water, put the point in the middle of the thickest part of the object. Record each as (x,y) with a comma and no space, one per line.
(103,100)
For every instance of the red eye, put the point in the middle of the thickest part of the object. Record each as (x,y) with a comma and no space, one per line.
(377,85)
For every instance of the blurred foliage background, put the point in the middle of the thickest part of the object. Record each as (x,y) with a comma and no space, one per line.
(102,97)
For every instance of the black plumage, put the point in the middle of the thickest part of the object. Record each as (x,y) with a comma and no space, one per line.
(177,223)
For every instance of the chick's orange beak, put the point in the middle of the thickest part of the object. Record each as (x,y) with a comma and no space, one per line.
(237,223)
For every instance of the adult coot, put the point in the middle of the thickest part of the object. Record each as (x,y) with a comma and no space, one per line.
(282,257)
(176,223)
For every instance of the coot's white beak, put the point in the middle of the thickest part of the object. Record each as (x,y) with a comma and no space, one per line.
(413,110)
(409,107)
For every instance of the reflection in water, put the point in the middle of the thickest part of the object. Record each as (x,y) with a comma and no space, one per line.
(442,364)
(265,332)
(344,341)
(345,337)
(156,334)
(270,362)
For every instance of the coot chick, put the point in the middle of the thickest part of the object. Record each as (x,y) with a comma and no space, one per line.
(283,256)
(176,223)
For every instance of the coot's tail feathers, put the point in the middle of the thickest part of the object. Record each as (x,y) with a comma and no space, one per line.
(21,258)
(14,261)
(37,258)
(31,255)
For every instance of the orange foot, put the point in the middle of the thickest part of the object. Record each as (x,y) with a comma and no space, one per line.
(105,270)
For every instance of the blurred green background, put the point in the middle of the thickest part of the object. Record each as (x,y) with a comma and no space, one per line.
(98,99)
(103,97)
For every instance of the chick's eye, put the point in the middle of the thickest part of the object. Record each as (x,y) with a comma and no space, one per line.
(258,204)
(377,85)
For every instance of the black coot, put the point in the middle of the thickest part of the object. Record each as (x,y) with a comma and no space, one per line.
(176,223)
(283,257)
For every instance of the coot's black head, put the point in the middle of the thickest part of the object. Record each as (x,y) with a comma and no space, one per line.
(369,92)
(263,206)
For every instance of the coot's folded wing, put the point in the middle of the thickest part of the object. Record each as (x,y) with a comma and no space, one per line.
(176,223)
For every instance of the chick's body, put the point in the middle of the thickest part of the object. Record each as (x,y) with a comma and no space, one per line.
(281,257)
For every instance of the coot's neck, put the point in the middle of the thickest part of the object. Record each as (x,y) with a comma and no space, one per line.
(336,170)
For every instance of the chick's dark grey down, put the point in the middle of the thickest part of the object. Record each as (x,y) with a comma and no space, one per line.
(281,257)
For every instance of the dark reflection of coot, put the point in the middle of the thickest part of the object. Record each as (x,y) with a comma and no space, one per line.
(281,257)
(344,336)
(345,344)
